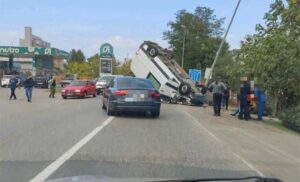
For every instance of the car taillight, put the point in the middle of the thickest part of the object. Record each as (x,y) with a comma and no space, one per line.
(120,92)
(155,94)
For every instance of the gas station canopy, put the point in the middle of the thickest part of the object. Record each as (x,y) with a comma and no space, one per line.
(32,51)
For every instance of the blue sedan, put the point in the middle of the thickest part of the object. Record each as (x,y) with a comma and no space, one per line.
(131,94)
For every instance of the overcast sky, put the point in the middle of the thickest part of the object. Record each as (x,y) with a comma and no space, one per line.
(125,24)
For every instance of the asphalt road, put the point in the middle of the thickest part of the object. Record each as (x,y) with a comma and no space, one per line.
(55,138)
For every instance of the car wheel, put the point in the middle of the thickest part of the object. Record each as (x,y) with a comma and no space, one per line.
(152,51)
(108,109)
(155,114)
(64,97)
(94,95)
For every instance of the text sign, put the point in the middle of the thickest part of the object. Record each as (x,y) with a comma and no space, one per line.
(105,66)
(106,51)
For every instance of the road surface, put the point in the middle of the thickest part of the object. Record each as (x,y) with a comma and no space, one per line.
(55,138)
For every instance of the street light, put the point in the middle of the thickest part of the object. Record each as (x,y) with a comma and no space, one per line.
(183,44)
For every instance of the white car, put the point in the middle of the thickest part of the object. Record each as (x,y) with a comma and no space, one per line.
(5,80)
(103,81)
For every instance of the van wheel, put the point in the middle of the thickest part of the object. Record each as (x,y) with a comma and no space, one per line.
(152,52)
(184,89)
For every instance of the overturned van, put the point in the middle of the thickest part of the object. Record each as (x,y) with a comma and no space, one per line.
(157,64)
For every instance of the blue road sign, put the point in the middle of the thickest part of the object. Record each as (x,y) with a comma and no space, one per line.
(195,74)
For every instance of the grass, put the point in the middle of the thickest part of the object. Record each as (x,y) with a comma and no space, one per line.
(280,126)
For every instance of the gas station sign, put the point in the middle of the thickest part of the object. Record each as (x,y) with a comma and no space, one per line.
(106,58)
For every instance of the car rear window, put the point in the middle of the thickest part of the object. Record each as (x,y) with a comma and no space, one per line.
(131,83)
(78,83)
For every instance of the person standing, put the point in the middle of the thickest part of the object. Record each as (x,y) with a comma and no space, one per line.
(217,88)
(225,99)
(245,92)
(13,82)
(52,87)
(28,85)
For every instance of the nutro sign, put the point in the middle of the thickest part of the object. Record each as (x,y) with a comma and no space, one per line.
(106,57)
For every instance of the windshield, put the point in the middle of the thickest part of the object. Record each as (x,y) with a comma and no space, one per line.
(149,90)
(78,83)
(106,79)
(132,83)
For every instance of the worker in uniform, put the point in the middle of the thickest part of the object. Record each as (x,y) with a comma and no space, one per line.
(245,92)
(261,102)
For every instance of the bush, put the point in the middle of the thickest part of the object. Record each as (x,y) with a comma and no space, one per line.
(290,118)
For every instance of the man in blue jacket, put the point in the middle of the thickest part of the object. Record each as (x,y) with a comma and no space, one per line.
(13,85)
(28,85)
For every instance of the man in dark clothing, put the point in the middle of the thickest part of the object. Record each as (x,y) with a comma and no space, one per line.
(13,85)
(28,85)
(52,88)
(217,88)
(244,102)
(225,98)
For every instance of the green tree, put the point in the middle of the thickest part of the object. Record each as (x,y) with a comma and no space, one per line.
(76,56)
(202,30)
(124,68)
(272,55)
(94,64)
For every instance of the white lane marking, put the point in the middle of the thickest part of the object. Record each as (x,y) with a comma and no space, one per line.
(203,127)
(218,140)
(248,164)
(42,176)
(290,157)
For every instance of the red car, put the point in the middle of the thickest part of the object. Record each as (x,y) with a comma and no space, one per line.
(79,88)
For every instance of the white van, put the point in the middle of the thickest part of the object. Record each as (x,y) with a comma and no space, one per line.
(156,64)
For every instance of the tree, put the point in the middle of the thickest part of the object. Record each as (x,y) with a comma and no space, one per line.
(76,56)
(125,69)
(272,55)
(83,70)
(202,31)
(94,62)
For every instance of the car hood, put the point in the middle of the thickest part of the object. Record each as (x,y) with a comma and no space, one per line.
(74,87)
(102,179)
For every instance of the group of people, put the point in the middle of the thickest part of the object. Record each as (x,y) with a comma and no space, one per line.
(28,86)
(221,95)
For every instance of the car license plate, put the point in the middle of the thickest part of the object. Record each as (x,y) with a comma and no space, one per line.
(130,99)
(69,93)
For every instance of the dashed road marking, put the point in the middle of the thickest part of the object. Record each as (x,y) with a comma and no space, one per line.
(42,176)
(248,164)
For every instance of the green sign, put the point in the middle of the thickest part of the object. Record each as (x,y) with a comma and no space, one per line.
(32,51)
(106,51)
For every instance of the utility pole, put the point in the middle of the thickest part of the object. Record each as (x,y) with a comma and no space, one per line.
(183,45)
(222,43)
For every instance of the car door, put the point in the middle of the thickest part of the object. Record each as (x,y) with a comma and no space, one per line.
(92,87)
(107,91)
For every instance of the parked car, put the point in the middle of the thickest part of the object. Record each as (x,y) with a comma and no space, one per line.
(131,94)
(79,89)
(40,81)
(5,80)
(68,79)
(103,81)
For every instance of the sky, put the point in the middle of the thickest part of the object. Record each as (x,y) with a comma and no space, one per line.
(85,25)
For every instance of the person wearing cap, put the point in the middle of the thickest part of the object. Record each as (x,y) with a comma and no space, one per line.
(28,85)
(217,88)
